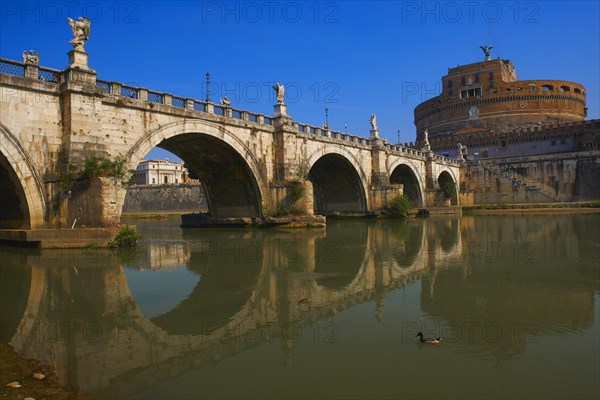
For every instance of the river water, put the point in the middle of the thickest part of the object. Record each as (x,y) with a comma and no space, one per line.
(333,313)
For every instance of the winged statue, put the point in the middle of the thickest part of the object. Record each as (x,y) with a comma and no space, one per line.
(487,52)
(81,32)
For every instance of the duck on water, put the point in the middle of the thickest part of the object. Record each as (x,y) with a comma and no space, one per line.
(428,340)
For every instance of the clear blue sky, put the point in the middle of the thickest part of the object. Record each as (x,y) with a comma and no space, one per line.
(353,57)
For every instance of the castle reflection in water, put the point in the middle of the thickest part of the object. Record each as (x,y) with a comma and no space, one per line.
(220,292)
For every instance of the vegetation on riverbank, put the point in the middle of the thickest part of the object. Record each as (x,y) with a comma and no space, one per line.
(127,237)
(535,206)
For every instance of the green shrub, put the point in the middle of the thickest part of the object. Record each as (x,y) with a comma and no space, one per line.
(449,190)
(127,237)
(399,206)
(297,190)
(101,166)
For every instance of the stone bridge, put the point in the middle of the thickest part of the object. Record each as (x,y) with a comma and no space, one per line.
(51,121)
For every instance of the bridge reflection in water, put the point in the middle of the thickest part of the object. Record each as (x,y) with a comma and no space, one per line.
(122,323)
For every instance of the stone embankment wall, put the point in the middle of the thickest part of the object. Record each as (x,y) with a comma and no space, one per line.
(535,179)
(185,197)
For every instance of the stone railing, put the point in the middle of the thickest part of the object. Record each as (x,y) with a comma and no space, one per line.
(115,88)
(10,67)
(16,68)
(317,132)
(405,150)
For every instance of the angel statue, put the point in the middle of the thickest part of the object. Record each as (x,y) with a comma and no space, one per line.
(487,52)
(373,122)
(31,58)
(426,136)
(225,101)
(81,32)
(279,92)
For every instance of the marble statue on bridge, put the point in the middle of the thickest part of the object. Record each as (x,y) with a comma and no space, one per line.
(31,58)
(225,101)
(373,122)
(81,32)
(279,92)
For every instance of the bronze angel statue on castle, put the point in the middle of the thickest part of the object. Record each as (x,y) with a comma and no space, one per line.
(81,32)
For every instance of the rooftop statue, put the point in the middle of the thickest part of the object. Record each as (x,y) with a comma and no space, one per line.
(487,52)
(81,32)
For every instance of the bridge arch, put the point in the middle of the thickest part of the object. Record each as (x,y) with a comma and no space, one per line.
(21,189)
(233,179)
(404,172)
(339,181)
(444,177)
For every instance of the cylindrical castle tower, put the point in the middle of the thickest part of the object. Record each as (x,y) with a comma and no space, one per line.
(487,96)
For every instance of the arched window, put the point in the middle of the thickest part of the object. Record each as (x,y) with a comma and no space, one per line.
(546,88)
(565,89)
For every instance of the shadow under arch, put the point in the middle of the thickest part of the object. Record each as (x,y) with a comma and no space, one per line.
(340,255)
(22,198)
(443,179)
(405,175)
(338,187)
(231,176)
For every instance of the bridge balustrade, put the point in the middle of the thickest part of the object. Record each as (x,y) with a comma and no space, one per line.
(49,75)
(129,91)
(11,67)
(155,97)
(15,68)
(178,102)
(199,106)
(104,84)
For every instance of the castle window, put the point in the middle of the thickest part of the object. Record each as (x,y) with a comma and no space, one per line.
(463,81)
(491,76)
(565,89)
(476,78)
(531,88)
(464,94)
(449,83)
(546,88)
(577,90)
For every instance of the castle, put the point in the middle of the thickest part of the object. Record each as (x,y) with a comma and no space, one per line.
(485,107)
